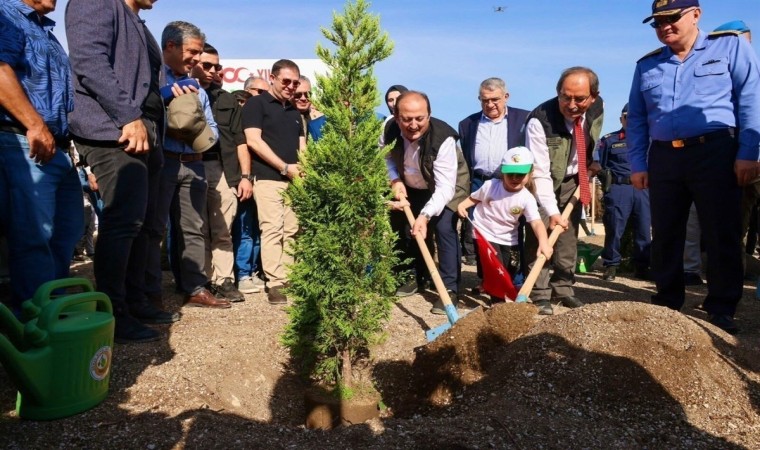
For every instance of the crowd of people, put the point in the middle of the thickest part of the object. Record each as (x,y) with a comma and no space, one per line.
(177,161)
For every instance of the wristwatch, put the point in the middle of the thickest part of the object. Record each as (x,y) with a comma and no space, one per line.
(425,215)
(247,176)
(284,170)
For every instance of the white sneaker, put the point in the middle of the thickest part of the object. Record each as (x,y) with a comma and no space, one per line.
(246,285)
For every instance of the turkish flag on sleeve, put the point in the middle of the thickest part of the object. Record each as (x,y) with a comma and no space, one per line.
(496,279)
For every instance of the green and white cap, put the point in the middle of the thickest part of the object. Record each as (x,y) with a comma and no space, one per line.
(517,160)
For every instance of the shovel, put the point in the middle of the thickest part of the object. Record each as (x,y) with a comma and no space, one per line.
(451,310)
(522,296)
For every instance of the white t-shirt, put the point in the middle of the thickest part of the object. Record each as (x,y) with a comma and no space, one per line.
(499,211)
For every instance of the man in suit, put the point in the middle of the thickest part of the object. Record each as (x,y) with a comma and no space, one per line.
(485,137)
(117,127)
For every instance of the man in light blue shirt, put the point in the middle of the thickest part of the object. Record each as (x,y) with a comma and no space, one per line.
(183,186)
(698,100)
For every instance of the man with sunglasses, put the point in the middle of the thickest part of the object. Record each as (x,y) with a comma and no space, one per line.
(117,126)
(228,172)
(697,100)
(313,120)
(255,85)
(561,134)
(273,129)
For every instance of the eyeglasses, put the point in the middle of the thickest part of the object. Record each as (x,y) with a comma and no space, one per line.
(569,99)
(289,82)
(298,95)
(487,101)
(258,90)
(208,66)
(669,20)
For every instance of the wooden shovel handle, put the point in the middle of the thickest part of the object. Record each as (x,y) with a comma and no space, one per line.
(439,286)
(522,296)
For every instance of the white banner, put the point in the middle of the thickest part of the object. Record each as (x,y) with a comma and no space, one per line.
(236,71)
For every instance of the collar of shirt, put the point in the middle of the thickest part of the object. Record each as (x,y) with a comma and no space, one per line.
(570,124)
(485,119)
(33,15)
(170,77)
(699,44)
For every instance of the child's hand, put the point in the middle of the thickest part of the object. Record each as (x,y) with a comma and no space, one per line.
(462,210)
(546,250)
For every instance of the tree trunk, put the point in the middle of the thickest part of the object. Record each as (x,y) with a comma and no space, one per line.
(348,380)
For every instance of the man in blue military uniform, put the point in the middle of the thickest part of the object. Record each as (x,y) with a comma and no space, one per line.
(698,100)
(621,202)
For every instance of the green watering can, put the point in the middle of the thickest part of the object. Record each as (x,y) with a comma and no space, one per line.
(60,358)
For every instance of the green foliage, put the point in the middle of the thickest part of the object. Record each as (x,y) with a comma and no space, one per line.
(342,282)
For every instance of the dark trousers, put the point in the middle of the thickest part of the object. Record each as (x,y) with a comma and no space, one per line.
(183,195)
(622,202)
(705,175)
(560,284)
(443,227)
(124,188)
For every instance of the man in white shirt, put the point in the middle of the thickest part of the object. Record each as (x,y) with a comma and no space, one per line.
(552,138)
(427,172)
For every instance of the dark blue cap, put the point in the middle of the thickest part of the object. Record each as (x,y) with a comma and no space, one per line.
(669,7)
(734,25)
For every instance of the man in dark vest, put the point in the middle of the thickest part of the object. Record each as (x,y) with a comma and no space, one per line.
(428,173)
(554,130)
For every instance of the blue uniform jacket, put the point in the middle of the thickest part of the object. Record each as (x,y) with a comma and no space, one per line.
(716,87)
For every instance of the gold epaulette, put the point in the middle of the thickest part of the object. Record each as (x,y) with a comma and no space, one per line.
(652,53)
(724,33)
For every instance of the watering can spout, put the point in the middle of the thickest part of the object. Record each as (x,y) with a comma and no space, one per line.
(26,369)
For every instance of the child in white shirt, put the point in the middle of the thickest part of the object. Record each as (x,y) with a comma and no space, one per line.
(499,203)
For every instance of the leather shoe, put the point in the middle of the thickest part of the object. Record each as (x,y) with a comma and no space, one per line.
(129,331)
(205,299)
(228,291)
(544,307)
(146,312)
(275,296)
(609,273)
(725,322)
(569,302)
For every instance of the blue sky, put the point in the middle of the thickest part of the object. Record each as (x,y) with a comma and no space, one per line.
(446,48)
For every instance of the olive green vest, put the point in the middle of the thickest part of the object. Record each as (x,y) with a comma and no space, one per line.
(430,142)
(559,141)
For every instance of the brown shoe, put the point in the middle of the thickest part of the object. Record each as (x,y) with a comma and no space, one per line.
(204,299)
(276,296)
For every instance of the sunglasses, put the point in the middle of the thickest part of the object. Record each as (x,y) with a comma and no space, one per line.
(298,95)
(208,66)
(289,82)
(668,20)
(259,90)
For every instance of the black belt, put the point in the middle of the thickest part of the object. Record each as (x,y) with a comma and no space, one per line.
(696,140)
(211,156)
(184,157)
(60,141)
(621,180)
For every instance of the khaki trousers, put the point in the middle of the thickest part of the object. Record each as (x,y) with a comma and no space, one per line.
(221,207)
(278,225)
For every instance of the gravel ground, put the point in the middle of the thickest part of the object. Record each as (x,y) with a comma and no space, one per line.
(617,373)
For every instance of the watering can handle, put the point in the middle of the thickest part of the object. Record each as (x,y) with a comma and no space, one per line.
(43,293)
(50,314)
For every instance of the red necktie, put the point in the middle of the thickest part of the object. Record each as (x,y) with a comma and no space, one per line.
(580,149)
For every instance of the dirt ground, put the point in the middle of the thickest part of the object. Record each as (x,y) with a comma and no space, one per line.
(616,373)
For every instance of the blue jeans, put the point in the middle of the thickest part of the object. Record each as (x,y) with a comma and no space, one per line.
(41,213)
(246,240)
